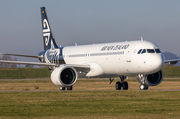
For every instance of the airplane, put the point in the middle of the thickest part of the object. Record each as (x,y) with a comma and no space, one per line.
(107,60)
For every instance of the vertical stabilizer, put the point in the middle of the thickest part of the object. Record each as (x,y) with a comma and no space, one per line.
(48,39)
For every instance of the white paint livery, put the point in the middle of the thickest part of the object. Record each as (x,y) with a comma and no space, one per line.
(116,62)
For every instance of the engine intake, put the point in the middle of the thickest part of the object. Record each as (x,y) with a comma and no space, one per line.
(68,76)
(64,76)
(152,79)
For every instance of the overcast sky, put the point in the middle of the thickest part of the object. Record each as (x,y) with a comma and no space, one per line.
(89,21)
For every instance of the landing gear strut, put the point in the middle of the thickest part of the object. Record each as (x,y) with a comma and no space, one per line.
(122,84)
(143,86)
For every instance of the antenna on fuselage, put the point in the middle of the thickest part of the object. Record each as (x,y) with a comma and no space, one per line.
(142,39)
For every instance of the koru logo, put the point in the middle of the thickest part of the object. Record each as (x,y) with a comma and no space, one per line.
(46,32)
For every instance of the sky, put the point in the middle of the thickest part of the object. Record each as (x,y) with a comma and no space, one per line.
(88,22)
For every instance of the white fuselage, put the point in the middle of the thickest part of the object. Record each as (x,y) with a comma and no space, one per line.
(120,58)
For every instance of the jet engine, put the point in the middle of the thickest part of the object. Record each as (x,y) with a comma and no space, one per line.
(64,76)
(152,79)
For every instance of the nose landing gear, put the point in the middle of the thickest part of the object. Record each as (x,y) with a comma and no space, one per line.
(143,87)
(142,78)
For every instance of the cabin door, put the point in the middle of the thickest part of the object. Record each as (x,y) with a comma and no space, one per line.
(129,53)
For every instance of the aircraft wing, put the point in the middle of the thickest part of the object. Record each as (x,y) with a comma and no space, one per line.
(21,55)
(78,67)
(30,63)
(172,61)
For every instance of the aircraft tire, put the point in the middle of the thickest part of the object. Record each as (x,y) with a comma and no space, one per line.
(118,85)
(125,85)
(143,87)
(146,87)
(62,88)
(69,88)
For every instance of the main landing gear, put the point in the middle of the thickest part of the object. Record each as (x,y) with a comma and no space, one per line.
(68,88)
(142,79)
(122,84)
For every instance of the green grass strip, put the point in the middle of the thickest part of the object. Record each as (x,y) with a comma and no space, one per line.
(91,104)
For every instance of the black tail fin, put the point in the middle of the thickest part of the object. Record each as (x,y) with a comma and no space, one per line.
(48,39)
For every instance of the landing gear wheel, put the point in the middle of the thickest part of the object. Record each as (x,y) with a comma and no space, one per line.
(118,85)
(143,87)
(125,85)
(62,88)
(69,88)
(146,87)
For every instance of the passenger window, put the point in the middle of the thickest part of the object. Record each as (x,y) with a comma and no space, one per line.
(150,51)
(144,51)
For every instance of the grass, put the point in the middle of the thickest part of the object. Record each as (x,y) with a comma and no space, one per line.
(23,73)
(95,84)
(171,71)
(91,104)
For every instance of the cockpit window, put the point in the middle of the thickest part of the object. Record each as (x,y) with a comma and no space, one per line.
(139,51)
(157,51)
(150,51)
(144,51)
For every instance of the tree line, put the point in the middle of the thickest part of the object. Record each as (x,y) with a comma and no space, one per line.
(8,58)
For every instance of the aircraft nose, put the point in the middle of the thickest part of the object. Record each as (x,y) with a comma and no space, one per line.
(157,62)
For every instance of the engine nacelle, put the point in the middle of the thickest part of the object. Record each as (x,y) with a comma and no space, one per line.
(152,79)
(64,76)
